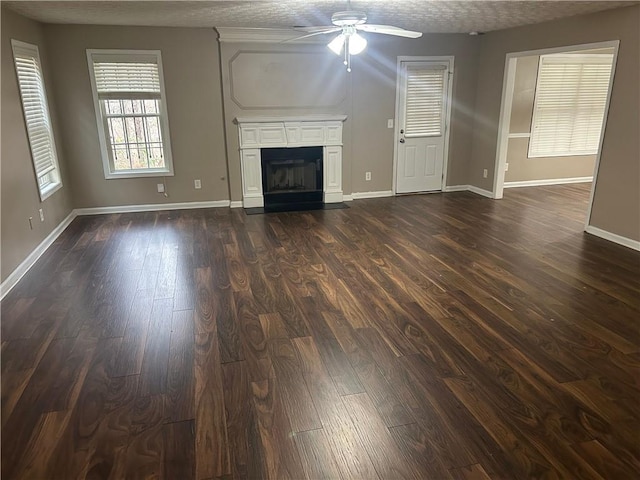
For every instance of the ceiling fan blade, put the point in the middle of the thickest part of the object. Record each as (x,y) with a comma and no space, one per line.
(325,30)
(320,29)
(388,30)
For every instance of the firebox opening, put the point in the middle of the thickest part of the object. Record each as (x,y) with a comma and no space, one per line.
(292,178)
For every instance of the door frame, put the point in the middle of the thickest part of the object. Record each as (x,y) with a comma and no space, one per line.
(449,60)
(508,85)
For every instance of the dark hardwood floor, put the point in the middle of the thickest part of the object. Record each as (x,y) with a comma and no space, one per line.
(426,337)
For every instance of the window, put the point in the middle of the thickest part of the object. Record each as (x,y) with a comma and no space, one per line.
(36,117)
(425,101)
(569,106)
(131,110)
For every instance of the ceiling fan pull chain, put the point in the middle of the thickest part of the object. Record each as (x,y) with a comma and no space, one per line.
(347,54)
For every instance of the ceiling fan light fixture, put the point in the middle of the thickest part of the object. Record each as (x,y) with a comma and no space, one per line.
(357,44)
(337,43)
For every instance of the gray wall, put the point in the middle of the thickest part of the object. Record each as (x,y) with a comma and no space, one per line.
(616,205)
(374,96)
(194,104)
(367,96)
(19,191)
(265,79)
(194,73)
(522,168)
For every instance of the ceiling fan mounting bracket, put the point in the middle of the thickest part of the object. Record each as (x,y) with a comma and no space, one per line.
(348,18)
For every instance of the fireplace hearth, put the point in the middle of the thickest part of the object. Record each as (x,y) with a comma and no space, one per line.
(292,178)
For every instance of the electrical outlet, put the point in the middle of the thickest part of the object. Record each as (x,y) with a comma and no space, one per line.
(367,176)
(41,212)
(390,123)
(197,184)
(485,173)
(506,167)
(161,188)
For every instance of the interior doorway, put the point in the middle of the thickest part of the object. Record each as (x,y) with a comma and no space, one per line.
(553,116)
(423,109)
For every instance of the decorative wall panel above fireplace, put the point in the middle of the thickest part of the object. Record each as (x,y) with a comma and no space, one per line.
(300,131)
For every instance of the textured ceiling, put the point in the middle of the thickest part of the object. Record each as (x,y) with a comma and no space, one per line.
(436,16)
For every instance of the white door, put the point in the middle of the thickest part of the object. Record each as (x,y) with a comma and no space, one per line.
(422,118)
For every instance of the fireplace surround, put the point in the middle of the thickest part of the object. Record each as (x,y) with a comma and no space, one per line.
(259,133)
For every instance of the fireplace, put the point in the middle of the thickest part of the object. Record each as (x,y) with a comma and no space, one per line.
(276,136)
(292,178)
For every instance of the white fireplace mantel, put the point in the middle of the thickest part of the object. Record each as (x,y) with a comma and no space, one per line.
(291,131)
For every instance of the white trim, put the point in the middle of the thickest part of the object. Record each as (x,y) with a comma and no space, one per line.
(505,112)
(612,237)
(50,190)
(235,204)
(105,150)
(520,135)
(455,188)
(333,197)
(480,191)
(265,35)
(449,59)
(151,207)
(290,118)
(15,276)
(504,123)
(468,188)
(347,198)
(377,194)
(253,202)
(548,181)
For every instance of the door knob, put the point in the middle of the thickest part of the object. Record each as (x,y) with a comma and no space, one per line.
(402,140)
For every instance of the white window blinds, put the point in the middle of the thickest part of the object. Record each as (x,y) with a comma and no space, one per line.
(570,102)
(136,77)
(425,98)
(36,111)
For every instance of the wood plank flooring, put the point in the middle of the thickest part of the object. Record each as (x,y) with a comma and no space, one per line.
(419,337)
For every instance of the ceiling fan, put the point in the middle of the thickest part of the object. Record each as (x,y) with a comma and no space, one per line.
(349,41)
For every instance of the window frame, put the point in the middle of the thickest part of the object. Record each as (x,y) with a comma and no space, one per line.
(573,56)
(106,149)
(54,175)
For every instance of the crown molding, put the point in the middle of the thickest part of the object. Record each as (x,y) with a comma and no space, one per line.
(290,118)
(265,35)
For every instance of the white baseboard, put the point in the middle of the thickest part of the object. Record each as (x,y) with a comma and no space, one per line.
(236,204)
(33,257)
(468,188)
(480,191)
(455,188)
(154,207)
(361,195)
(612,237)
(333,197)
(550,181)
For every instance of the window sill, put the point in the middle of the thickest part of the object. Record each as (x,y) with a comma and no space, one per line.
(564,154)
(139,174)
(49,190)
